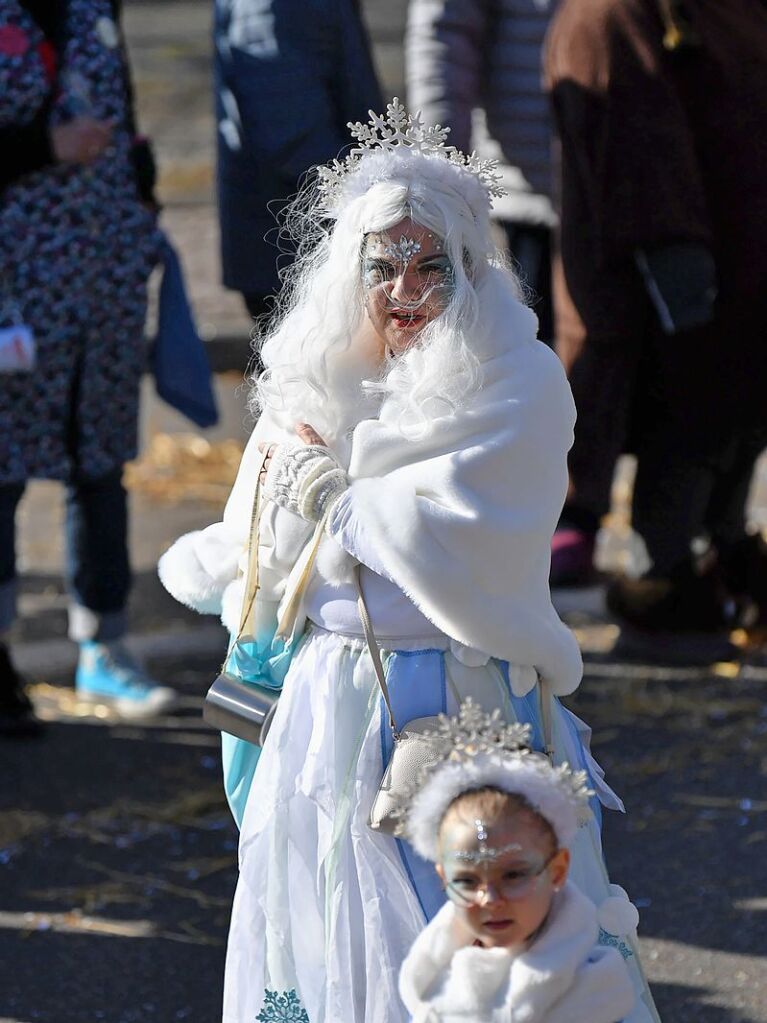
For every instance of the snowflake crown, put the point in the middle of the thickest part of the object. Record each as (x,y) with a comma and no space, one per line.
(481,750)
(473,731)
(398,133)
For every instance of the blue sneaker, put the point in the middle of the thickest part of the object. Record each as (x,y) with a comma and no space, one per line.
(107,672)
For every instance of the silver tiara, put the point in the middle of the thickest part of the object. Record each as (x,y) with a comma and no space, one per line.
(395,131)
(473,731)
(478,749)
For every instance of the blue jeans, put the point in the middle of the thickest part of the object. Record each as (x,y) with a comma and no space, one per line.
(97,570)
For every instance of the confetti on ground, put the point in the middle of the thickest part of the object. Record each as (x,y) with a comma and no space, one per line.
(185,467)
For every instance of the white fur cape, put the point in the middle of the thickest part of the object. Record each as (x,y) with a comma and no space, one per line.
(564,977)
(460,519)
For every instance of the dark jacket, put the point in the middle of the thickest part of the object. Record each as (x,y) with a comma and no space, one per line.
(289,75)
(662,150)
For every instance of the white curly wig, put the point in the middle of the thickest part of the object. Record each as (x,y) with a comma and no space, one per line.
(315,370)
(557,794)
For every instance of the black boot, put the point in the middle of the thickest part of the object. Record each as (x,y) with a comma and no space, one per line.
(685,600)
(744,572)
(17,715)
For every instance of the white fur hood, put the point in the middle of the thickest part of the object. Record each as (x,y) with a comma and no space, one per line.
(564,977)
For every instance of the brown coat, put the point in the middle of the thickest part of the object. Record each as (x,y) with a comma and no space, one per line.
(658,147)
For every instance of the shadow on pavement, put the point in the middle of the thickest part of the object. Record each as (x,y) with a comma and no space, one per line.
(118,862)
(678,1004)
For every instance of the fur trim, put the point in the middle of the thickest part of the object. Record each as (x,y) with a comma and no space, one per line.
(564,977)
(548,790)
(334,565)
(617,914)
(430,954)
(476,976)
(182,574)
(231,605)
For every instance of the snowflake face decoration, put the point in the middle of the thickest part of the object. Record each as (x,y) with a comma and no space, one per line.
(398,132)
(282,1008)
(425,273)
(403,250)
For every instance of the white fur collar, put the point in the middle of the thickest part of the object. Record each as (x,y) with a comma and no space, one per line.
(563,978)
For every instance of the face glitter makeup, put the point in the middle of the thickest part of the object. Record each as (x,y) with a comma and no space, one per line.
(486,853)
(403,250)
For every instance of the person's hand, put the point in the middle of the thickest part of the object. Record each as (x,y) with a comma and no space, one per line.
(269,449)
(309,435)
(81,140)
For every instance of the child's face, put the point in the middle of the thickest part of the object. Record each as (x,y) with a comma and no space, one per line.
(501,884)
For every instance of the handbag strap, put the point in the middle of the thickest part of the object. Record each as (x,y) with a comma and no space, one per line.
(251,576)
(375,653)
(292,602)
(546,718)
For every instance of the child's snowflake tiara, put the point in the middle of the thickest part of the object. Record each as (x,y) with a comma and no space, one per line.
(482,751)
(397,134)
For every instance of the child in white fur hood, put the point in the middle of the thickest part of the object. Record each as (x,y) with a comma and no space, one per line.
(516,941)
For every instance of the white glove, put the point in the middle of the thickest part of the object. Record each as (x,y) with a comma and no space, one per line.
(304,478)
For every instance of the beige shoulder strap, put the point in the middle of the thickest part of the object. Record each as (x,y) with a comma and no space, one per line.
(375,653)
(293,603)
(251,575)
(546,717)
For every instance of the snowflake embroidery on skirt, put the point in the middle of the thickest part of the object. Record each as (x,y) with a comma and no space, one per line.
(284,1008)
(612,941)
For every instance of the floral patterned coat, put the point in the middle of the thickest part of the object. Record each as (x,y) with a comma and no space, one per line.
(76,248)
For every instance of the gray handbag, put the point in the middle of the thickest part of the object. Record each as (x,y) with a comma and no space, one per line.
(240,708)
(246,709)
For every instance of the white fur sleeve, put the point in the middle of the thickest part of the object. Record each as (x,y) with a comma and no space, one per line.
(201,569)
(199,566)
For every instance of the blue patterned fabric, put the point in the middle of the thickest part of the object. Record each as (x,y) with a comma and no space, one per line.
(613,941)
(76,249)
(282,1008)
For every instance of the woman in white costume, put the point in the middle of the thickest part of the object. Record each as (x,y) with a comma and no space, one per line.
(410,417)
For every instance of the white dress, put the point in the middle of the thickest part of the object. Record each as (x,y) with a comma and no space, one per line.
(325,908)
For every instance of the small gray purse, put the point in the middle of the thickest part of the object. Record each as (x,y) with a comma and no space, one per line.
(243,708)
